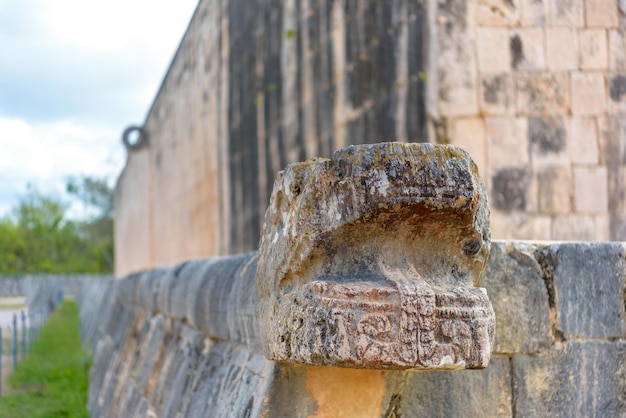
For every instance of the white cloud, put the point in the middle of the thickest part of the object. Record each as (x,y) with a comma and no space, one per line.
(45,155)
(74,74)
(114,24)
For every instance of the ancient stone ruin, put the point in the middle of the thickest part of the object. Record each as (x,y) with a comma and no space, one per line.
(368,266)
(370,259)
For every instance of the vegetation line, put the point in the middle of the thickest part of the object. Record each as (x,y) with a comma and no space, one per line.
(53,379)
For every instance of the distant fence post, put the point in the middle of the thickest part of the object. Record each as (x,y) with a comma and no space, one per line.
(14,342)
(23,335)
(30,331)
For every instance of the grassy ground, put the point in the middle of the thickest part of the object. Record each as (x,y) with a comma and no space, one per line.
(52,381)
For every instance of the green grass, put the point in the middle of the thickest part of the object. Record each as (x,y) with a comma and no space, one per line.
(52,380)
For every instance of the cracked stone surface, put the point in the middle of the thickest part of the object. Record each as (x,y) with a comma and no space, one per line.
(371,260)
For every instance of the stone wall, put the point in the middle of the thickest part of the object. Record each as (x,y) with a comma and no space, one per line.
(253,87)
(184,341)
(42,289)
(534,90)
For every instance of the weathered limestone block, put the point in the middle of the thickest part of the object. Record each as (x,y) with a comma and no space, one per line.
(489,388)
(587,379)
(518,293)
(369,260)
(589,284)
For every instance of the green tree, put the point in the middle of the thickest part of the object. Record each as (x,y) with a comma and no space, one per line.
(97,197)
(38,236)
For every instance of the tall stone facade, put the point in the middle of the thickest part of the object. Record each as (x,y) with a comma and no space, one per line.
(540,104)
(534,90)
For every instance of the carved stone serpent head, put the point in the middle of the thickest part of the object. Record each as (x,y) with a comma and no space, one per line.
(370,260)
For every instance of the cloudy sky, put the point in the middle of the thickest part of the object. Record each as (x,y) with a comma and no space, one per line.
(73,75)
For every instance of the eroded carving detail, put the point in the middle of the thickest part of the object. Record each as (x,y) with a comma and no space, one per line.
(370,259)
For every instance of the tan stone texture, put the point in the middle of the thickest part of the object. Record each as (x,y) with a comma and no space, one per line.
(548,137)
(602,228)
(568,13)
(601,13)
(455,91)
(497,94)
(493,50)
(497,12)
(470,135)
(561,49)
(532,55)
(132,227)
(591,189)
(361,392)
(540,93)
(617,49)
(521,226)
(593,49)
(533,13)
(584,137)
(588,93)
(507,142)
(574,227)
(555,189)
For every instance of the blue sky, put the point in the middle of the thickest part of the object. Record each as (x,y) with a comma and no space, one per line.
(73,75)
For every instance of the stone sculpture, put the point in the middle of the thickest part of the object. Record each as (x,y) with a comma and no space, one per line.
(370,260)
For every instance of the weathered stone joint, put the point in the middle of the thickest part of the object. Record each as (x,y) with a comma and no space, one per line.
(369,260)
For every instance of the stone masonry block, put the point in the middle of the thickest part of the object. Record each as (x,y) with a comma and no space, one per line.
(457,89)
(470,134)
(601,13)
(539,93)
(497,12)
(584,140)
(590,189)
(555,189)
(617,226)
(532,193)
(617,50)
(559,57)
(588,282)
(612,141)
(172,293)
(520,226)
(617,92)
(547,136)
(593,50)
(211,307)
(588,93)
(527,49)
(568,13)
(509,188)
(514,280)
(497,94)
(584,379)
(490,389)
(574,227)
(602,228)
(507,142)
(493,50)
(533,13)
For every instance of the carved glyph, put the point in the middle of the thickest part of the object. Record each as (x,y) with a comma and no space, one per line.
(370,260)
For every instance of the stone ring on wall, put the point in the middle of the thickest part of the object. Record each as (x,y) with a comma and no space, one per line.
(139,142)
